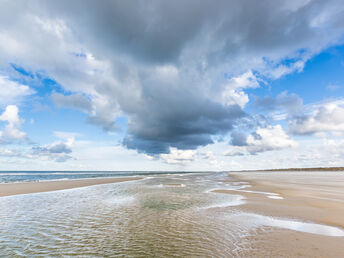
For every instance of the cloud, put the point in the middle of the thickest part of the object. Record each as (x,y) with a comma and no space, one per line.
(262,140)
(59,147)
(282,69)
(233,92)
(326,118)
(189,125)
(238,138)
(287,102)
(333,87)
(178,157)
(165,75)
(77,101)
(11,131)
(270,138)
(9,153)
(228,28)
(235,152)
(12,92)
(58,151)
(211,158)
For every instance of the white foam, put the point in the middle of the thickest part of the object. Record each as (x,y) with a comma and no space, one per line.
(244,186)
(212,190)
(175,185)
(275,197)
(257,192)
(234,200)
(255,220)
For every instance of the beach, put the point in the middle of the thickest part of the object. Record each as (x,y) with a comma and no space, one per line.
(241,214)
(316,196)
(304,196)
(7,189)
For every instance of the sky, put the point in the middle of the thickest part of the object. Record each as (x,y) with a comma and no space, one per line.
(191,85)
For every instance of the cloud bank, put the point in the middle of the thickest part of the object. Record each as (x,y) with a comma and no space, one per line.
(177,70)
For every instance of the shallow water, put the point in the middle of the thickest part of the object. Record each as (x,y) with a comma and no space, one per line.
(162,215)
(34,176)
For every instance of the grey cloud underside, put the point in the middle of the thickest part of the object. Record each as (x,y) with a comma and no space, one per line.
(58,151)
(238,139)
(82,103)
(162,31)
(77,101)
(154,32)
(290,103)
(55,148)
(191,126)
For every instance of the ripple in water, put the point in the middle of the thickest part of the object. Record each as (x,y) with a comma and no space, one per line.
(134,218)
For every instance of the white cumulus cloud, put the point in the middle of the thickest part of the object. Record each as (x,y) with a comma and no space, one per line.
(326,118)
(262,140)
(11,130)
(12,92)
(178,157)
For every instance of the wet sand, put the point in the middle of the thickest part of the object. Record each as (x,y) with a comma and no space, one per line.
(311,197)
(274,242)
(7,189)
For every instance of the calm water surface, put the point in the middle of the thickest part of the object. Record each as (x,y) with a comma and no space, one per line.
(167,215)
(159,216)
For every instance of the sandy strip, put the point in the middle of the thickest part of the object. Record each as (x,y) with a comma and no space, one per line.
(47,186)
(314,197)
(276,242)
(317,197)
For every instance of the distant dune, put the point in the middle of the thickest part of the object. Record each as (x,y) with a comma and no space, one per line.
(302,169)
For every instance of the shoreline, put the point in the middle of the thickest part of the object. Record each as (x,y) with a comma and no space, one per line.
(317,199)
(16,188)
(270,226)
(307,200)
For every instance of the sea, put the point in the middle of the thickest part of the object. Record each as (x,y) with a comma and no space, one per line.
(36,176)
(161,215)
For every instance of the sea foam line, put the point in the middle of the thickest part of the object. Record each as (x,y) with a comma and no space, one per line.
(256,220)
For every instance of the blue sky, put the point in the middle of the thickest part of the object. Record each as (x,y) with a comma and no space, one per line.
(171,86)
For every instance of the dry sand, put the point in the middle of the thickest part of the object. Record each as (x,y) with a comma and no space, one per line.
(7,189)
(313,197)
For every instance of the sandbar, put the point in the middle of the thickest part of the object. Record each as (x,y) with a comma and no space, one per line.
(7,189)
(305,196)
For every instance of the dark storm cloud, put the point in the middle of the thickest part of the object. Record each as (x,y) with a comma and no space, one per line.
(186,127)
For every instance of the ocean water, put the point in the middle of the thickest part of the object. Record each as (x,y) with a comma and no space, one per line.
(162,215)
(35,176)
